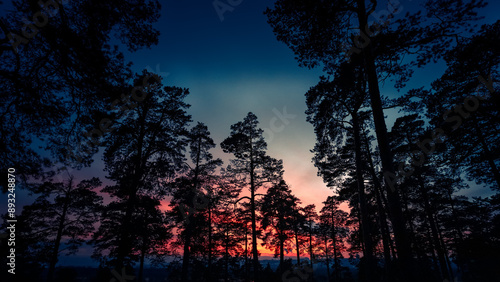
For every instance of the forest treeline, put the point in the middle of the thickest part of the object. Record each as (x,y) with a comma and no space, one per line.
(67,92)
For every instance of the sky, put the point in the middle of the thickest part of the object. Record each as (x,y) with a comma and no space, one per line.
(233,67)
(233,64)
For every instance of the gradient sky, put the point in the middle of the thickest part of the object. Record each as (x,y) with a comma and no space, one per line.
(235,66)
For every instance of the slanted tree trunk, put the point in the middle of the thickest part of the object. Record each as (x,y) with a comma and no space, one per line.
(363,205)
(430,218)
(384,228)
(397,219)
(431,244)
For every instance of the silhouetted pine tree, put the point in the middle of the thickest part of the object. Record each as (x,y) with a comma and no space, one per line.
(60,78)
(332,222)
(193,194)
(252,166)
(463,103)
(61,219)
(144,153)
(317,31)
(278,213)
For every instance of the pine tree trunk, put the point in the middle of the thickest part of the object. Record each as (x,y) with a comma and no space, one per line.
(141,263)
(397,219)
(185,275)
(458,231)
(363,205)
(384,228)
(125,244)
(311,255)
(186,255)
(297,246)
(246,252)
(433,253)
(57,243)
(327,259)
(282,250)
(437,245)
(209,244)
(226,255)
(443,246)
(334,241)
(255,254)
(411,227)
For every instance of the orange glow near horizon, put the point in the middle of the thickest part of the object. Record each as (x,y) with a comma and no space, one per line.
(301,187)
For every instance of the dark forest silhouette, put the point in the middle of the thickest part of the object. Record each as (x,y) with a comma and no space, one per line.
(67,90)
